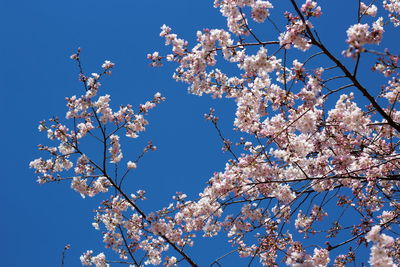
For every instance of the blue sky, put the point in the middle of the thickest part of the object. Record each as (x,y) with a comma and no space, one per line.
(35,77)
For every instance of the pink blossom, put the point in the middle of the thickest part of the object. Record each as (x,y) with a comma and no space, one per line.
(259,10)
(131,165)
(393,6)
(294,34)
(358,35)
(310,9)
(107,65)
(115,149)
(370,10)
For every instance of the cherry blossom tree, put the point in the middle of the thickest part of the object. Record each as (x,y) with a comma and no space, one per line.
(313,180)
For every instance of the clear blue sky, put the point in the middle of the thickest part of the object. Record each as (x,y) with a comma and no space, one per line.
(37,38)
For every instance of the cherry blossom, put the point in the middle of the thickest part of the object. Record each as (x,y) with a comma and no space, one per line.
(393,6)
(317,143)
(369,10)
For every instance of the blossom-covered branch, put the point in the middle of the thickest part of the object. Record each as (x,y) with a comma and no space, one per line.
(314,176)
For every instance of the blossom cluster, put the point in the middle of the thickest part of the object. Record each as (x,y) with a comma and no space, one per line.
(359,34)
(393,6)
(294,34)
(369,10)
(236,20)
(379,251)
(89,260)
(310,9)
